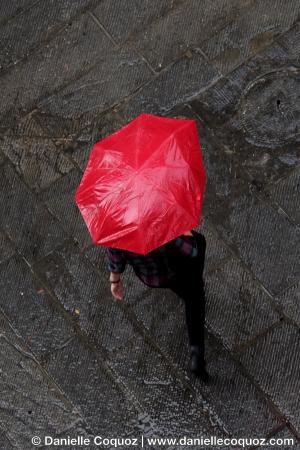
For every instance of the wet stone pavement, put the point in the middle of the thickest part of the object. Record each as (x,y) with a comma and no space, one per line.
(74,361)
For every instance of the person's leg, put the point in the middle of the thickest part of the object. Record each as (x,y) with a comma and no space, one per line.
(201,244)
(191,290)
(188,284)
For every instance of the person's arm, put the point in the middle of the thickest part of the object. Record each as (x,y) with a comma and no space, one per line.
(188,233)
(116,266)
(116,260)
(186,246)
(114,276)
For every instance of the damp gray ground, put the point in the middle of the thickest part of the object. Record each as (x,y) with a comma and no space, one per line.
(73,360)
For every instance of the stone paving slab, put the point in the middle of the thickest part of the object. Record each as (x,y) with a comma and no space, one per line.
(238,309)
(217,252)
(80,149)
(283,434)
(84,80)
(26,126)
(85,293)
(7,249)
(38,160)
(81,374)
(236,400)
(74,136)
(184,79)
(258,233)
(155,387)
(9,10)
(162,314)
(188,25)
(77,144)
(289,302)
(71,53)
(96,90)
(251,32)
(2,159)
(59,198)
(263,147)
(286,193)
(27,222)
(31,403)
(273,361)
(5,442)
(290,41)
(18,38)
(231,206)
(136,16)
(28,305)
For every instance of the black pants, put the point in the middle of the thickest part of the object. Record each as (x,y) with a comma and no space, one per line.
(189,286)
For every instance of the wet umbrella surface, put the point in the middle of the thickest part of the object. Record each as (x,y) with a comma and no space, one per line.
(143,185)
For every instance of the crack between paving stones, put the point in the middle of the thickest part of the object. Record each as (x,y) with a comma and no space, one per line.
(123,100)
(60,28)
(19,13)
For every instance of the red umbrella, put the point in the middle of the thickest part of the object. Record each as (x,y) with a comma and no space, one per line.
(144,184)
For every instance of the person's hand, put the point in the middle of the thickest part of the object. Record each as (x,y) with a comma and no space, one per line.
(187,233)
(117,290)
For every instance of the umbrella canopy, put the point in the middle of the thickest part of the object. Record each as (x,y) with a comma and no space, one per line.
(144,184)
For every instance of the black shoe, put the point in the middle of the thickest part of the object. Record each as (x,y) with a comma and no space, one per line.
(197,364)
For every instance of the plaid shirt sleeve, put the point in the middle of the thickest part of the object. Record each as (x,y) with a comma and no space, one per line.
(187,245)
(116,260)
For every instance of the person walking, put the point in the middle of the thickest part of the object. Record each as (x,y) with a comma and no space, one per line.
(177,265)
(143,186)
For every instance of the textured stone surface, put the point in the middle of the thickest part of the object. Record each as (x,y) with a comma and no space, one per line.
(254,115)
(290,42)
(27,222)
(27,126)
(31,404)
(285,439)
(18,37)
(189,26)
(238,308)
(9,10)
(216,251)
(7,444)
(184,79)
(155,386)
(251,32)
(85,293)
(76,137)
(96,91)
(70,54)
(162,313)
(289,301)
(273,361)
(37,160)
(59,198)
(25,301)
(247,223)
(136,16)
(95,390)
(7,249)
(286,193)
(258,234)
(234,398)
(2,160)
(76,72)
